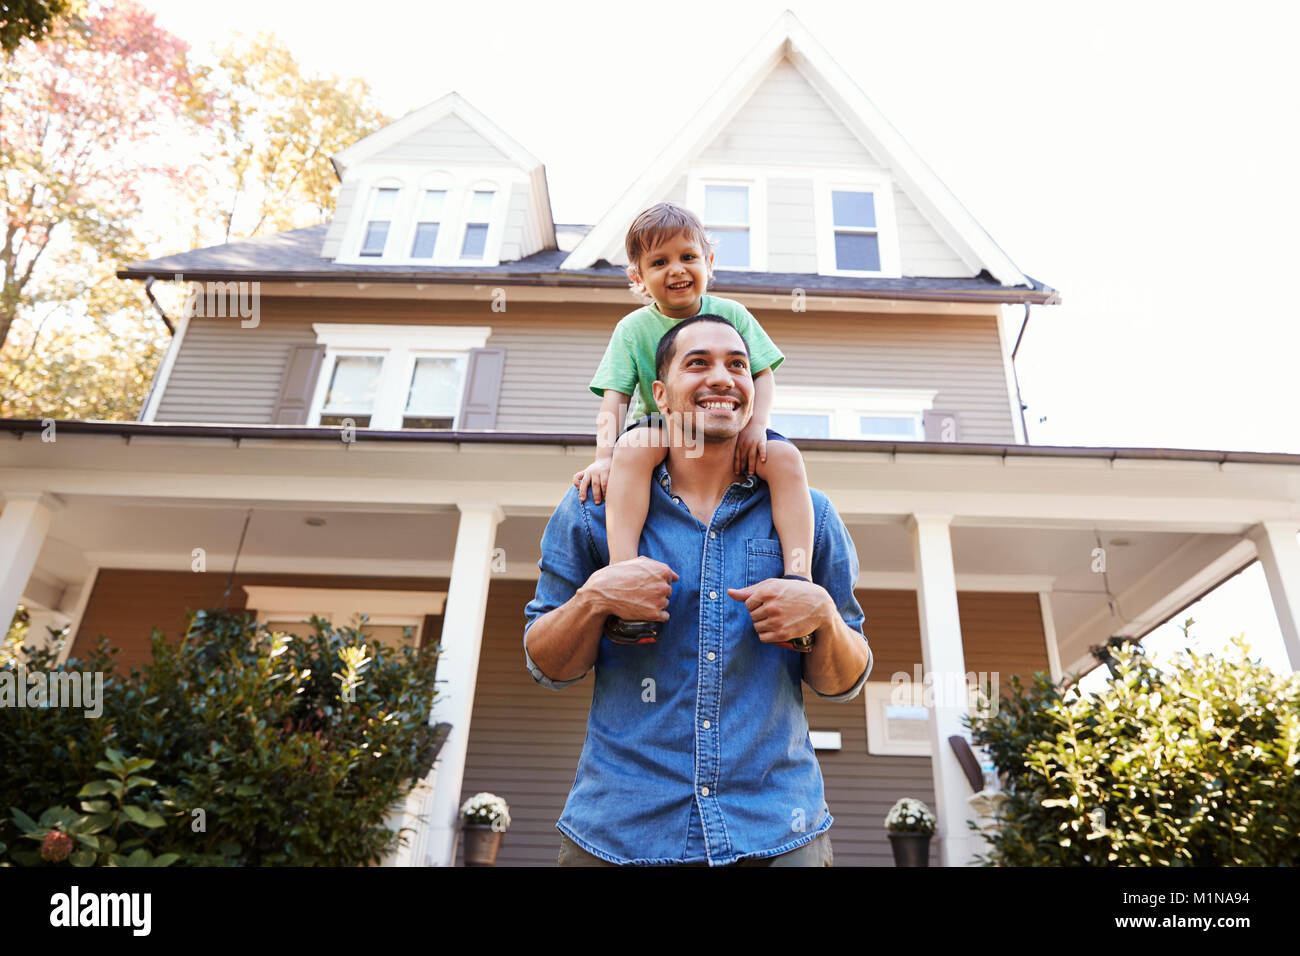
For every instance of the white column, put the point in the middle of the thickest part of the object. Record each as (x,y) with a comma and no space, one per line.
(23,524)
(945,666)
(462,637)
(1049,634)
(1279,553)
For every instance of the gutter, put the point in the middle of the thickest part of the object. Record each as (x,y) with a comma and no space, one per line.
(1015,376)
(329,433)
(587,281)
(148,290)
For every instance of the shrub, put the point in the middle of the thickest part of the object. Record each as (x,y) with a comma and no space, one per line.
(1195,765)
(267,749)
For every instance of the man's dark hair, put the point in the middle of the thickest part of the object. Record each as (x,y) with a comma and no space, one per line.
(664,353)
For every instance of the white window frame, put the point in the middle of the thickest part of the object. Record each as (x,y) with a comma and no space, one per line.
(878,695)
(400,345)
(846,405)
(435,182)
(412,181)
(756,180)
(880,185)
(342,605)
(373,198)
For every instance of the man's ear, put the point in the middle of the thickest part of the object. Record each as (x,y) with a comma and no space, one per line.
(660,391)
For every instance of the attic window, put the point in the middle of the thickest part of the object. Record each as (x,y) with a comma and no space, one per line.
(380,219)
(476,224)
(726,217)
(857,243)
(426,227)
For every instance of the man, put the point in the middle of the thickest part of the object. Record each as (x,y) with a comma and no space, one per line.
(697,748)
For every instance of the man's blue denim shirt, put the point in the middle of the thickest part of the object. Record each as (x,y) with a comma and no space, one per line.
(697,746)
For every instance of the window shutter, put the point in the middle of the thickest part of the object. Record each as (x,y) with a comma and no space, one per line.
(478,403)
(940,426)
(299,385)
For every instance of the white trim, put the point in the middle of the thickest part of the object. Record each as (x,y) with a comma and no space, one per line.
(846,405)
(881,187)
(755,178)
(164,374)
(1005,345)
(787,37)
(340,604)
(826,739)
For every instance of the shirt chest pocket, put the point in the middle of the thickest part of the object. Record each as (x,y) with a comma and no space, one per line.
(762,560)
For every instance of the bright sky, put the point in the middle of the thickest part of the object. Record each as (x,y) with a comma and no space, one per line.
(1139,158)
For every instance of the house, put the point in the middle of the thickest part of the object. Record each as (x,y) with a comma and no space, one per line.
(378,414)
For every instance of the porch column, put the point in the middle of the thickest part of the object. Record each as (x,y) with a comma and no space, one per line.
(462,637)
(1279,553)
(23,524)
(945,667)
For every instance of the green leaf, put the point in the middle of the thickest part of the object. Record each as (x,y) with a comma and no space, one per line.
(82,858)
(167,859)
(133,782)
(140,857)
(95,788)
(96,806)
(25,823)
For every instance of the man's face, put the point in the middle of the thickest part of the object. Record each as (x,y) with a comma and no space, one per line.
(707,382)
(676,272)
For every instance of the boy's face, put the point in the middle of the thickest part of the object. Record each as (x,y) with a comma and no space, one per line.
(676,272)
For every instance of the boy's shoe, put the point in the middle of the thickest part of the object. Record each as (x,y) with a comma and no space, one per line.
(631,632)
(802,644)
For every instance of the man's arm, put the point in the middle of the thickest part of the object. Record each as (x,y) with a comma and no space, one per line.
(563,643)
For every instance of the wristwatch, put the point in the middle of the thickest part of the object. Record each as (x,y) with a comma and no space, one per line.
(802,644)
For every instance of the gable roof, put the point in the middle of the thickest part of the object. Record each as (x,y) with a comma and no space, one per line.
(451,104)
(789,39)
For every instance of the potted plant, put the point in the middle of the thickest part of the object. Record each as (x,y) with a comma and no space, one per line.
(485,817)
(910,824)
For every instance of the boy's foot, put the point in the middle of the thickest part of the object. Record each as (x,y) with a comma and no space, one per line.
(631,632)
(802,644)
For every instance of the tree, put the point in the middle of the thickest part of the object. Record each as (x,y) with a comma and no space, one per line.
(32,19)
(79,114)
(275,129)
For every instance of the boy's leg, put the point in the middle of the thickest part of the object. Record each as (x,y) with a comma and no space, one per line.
(792,510)
(627,496)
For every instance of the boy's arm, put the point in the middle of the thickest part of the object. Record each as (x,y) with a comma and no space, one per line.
(751,444)
(609,422)
(764,388)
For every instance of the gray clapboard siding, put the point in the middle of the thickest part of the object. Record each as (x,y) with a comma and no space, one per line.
(343,208)
(512,243)
(921,250)
(225,373)
(791,229)
(787,121)
(450,139)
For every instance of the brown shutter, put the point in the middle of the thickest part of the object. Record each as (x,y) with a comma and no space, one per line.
(299,385)
(478,404)
(936,422)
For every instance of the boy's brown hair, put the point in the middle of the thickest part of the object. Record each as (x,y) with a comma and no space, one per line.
(661,220)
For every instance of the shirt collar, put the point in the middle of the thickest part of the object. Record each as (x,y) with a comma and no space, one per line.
(664,481)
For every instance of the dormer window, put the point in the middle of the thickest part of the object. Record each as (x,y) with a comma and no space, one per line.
(383,204)
(730,201)
(426,226)
(857,234)
(477,219)
(726,217)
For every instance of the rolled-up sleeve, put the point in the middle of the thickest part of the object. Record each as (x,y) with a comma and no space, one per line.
(835,568)
(566,563)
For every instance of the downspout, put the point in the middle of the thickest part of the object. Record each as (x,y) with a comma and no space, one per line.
(1024,429)
(148,290)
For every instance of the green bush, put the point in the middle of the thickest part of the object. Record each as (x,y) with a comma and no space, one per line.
(267,750)
(1194,765)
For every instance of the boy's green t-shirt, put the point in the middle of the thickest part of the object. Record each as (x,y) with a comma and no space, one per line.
(629,362)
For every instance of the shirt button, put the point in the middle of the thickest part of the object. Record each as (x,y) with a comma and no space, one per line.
(713,534)
(712,655)
(706,725)
(704,791)
(713,595)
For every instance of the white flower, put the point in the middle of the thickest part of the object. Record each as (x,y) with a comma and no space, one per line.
(486,808)
(910,816)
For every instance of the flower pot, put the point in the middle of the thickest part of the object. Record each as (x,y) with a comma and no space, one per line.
(911,849)
(481,844)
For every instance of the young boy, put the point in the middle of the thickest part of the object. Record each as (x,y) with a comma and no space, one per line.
(670,259)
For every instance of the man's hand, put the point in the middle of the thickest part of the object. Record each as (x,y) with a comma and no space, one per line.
(783,610)
(751,447)
(595,475)
(636,590)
